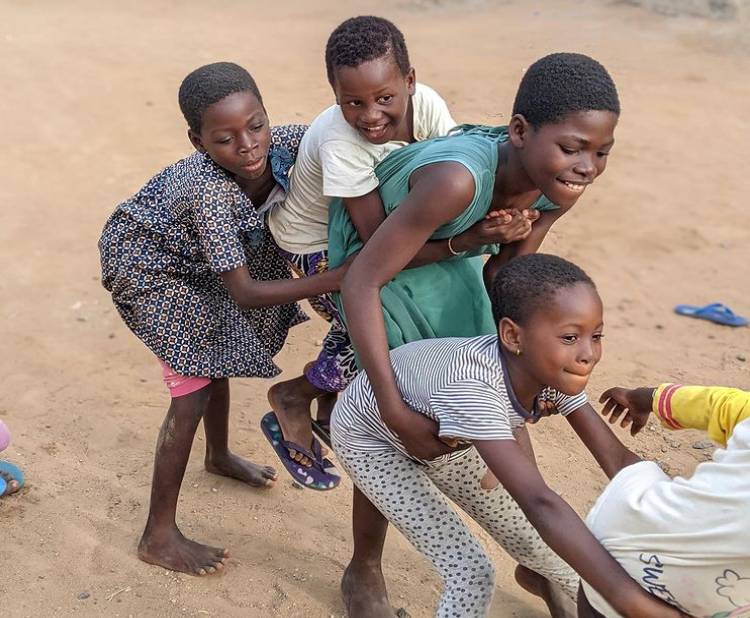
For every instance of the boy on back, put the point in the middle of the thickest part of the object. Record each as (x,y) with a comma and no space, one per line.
(379,108)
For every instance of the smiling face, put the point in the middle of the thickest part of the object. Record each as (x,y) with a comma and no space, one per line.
(374,98)
(562,158)
(560,342)
(236,134)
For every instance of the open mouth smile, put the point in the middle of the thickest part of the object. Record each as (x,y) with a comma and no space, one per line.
(374,132)
(576,187)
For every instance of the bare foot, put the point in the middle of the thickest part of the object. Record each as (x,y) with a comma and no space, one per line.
(12,484)
(171,550)
(293,412)
(560,605)
(241,469)
(364,593)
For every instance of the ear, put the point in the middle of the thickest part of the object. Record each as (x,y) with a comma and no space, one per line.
(509,334)
(196,141)
(518,130)
(411,81)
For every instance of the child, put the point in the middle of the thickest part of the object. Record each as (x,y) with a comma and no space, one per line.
(196,276)
(11,477)
(478,389)
(379,108)
(684,540)
(557,143)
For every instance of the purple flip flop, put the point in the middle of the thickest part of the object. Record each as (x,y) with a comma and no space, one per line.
(321,475)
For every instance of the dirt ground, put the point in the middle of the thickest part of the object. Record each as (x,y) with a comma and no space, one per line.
(89,113)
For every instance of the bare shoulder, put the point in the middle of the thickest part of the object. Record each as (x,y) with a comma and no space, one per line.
(450,180)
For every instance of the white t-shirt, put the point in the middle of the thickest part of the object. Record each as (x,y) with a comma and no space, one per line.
(334,160)
(686,541)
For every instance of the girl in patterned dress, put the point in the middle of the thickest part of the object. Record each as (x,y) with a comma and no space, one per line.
(196,276)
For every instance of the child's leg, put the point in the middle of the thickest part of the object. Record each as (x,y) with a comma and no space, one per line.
(162,542)
(499,514)
(328,375)
(403,492)
(363,585)
(219,459)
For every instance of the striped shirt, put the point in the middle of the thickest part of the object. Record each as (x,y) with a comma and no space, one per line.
(458,382)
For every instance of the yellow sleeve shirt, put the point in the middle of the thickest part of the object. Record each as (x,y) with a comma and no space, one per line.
(715,409)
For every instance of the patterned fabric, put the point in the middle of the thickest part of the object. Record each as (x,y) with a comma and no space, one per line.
(161,254)
(336,365)
(413,498)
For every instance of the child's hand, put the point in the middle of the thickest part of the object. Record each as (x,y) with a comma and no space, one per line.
(419,434)
(635,403)
(498,227)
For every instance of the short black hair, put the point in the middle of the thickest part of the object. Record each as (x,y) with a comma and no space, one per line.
(364,38)
(563,83)
(210,84)
(526,283)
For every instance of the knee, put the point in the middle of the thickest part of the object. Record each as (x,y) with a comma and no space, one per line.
(192,406)
(476,572)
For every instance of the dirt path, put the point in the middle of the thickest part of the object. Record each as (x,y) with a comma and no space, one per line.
(89,113)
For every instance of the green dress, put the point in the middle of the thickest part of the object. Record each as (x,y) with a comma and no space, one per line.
(447,298)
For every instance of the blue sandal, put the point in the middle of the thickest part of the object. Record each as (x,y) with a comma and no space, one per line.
(322,475)
(715,312)
(14,472)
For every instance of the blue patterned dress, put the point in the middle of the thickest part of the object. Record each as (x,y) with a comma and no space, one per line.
(161,254)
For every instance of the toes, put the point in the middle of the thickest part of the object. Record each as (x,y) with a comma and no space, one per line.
(201,571)
(269,473)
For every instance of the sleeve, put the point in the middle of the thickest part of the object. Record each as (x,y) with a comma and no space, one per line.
(435,117)
(216,227)
(566,404)
(471,409)
(715,409)
(348,169)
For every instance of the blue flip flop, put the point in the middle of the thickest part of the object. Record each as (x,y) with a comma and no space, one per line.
(322,475)
(715,312)
(14,472)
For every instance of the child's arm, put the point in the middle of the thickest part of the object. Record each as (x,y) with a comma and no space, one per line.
(529,244)
(565,533)
(367,213)
(611,454)
(250,293)
(714,409)
(439,193)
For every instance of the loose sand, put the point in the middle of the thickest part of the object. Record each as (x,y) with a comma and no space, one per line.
(89,113)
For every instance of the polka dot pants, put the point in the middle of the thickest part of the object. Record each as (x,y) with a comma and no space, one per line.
(413,498)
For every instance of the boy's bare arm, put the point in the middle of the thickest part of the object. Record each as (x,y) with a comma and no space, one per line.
(366,212)
(611,454)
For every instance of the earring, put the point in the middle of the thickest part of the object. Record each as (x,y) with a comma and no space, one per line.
(518,351)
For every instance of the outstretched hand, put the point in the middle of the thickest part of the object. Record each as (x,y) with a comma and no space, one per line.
(634,405)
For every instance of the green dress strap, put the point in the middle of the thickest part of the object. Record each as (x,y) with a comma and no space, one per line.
(447,298)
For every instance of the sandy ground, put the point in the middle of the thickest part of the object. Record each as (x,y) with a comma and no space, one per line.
(89,113)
